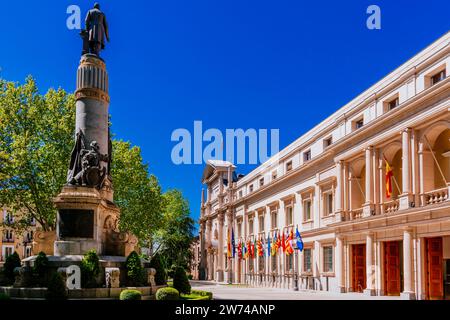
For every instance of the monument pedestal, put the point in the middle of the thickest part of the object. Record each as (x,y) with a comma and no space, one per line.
(87,219)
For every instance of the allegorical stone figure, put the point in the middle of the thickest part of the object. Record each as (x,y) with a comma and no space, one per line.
(85,167)
(96,31)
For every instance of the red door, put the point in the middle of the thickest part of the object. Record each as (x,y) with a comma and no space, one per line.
(359,267)
(392,268)
(435,281)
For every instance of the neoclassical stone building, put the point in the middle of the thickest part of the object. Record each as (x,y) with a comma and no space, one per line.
(331,184)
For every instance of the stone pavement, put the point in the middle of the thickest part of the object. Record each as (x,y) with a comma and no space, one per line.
(242,292)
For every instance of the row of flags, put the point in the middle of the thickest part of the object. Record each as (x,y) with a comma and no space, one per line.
(279,243)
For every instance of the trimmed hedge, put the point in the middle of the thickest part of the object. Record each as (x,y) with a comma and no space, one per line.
(4,297)
(130,295)
(202,293)
(181,281)
(12,262)
(167,294)
(90,269)
(56,289)
(135,271)
(40,269)
(161,274)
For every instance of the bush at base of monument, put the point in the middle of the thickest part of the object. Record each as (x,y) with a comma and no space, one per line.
(161,275)
(130,295)
(90,269)
(167,294)
(56,289)
(12,262)
(40,270)
(181,281)
(135,271)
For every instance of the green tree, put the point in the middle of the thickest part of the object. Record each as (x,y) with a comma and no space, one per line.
(177,231)
(36,138)
(136,193)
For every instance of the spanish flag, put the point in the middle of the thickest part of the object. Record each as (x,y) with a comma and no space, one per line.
(389,175)
(229,253)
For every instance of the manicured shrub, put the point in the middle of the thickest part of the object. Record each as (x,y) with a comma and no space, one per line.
(161,275)
(203,293)
(130,295)
(181,281)
(90,269)
(56,289)
(40,269)
(167,294)
(4,296)
(135,271)
(12,262)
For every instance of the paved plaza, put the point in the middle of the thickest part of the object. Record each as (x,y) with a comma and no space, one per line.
(241,292)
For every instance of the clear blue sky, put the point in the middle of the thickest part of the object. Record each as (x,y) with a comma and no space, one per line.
(266,62)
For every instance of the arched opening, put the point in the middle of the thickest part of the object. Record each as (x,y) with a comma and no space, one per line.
(434,161)
(357,187)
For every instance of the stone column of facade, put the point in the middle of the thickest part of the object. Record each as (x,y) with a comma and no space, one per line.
(415,168)
(382,184)
(368,205)
(406,198)
(220,262)
(370,274)
(377,180)
(345,189)
(340,264)
(408,290)
(230,260)
(339,189)
(210,254)
(202,271)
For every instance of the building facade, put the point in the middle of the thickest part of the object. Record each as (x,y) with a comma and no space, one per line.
(14,241)
(331,184)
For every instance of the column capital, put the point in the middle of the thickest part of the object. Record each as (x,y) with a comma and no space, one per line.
(220,217)
(406,130)
(209,223)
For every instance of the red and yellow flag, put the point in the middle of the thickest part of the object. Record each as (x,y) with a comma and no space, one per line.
(260,248)
(229,253)
(389,175)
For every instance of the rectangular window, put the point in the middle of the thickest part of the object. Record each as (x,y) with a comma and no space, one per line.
(290,263)
(359,123)
(274,175)
(306,156)
(261,182)
(250,226)
(393,104)
(289,217)
(240,193)
(438,77)
(289,166)
(274,263)
(251,265)
(328,203)
(261,265)
(239,233)
(307,260)
(251,188)
(327,142)
(273,216)
(328,259)
(261,223)
(307,210)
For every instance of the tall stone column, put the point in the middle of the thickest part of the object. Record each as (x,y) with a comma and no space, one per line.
(210,254)
(220,262)
(340,264)
(202,271)
(408,273)
(230,260)
(406,197)
(339,190)
(370,273)
(368,205)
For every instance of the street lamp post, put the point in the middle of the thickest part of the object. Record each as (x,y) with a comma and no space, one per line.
(296,269)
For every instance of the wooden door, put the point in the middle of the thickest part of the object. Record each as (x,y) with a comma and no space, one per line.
(435,281)
(392,267)
(359,267)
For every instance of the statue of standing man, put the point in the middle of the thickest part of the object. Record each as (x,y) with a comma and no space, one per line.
(96,31)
